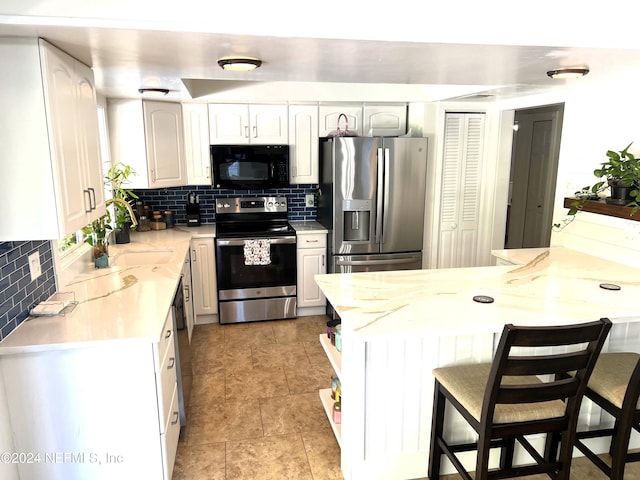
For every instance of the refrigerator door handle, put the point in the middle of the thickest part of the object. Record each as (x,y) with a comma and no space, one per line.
(379,199)
(385,205)
(391,261)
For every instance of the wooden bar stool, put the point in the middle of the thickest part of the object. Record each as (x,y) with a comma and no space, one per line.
(615,387)
(505,400)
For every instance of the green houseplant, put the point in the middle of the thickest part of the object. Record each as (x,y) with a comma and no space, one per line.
(622,174)
(97,235)
(116,179)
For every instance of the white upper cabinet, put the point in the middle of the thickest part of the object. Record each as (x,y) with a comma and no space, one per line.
(386,120)
(148,136)
(196,143)
(241,124)
(329,115)
(51,179)
(303,144)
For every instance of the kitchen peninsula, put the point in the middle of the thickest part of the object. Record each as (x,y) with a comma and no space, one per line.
(94,393)
(398,326)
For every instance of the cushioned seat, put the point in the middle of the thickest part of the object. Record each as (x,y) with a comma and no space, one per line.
(615,386)
(521,392)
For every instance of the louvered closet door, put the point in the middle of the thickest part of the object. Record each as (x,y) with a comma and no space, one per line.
(460,200)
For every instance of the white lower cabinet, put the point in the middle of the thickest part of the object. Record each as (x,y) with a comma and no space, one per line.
(204,285)
(98,411)
(311,260)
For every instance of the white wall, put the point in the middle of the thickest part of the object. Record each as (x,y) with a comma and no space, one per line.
(598,116)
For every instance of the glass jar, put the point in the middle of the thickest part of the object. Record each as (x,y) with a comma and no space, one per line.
(168,218)
(143,224)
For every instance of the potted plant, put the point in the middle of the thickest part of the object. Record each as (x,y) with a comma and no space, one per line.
(97,235)
(117,177)
(622,173)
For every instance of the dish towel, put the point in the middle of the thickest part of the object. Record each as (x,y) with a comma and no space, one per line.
(257,252)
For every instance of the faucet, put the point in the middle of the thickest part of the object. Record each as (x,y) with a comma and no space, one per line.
(125,205)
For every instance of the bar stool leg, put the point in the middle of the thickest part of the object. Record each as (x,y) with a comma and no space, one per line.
(437,426)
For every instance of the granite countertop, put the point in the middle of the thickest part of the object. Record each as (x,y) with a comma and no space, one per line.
(120,303)
(307,226)
(551,286)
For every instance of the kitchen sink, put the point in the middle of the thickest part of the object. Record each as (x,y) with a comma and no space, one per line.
(141,257)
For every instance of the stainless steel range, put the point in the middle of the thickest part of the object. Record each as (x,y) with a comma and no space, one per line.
(255,260)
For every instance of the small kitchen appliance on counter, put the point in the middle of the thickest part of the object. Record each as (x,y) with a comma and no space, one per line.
(193,210)
(255,260)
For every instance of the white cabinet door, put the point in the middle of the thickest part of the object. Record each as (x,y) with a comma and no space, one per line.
(228,124)
(148,136)
(385,120)
(165,151)
(203,271)
(66,154)
(89,138)
(242,124)
(460,198)
(303,143)
(311,261)
(329,115)
(268,124)
(195,118)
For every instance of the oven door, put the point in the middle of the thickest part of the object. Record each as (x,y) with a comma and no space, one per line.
(238,280)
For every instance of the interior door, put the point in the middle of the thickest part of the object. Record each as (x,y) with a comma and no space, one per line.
(533,177)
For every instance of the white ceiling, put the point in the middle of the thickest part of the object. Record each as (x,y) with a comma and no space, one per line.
(295,68)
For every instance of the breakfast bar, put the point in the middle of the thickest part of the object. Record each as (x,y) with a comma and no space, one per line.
(397,326)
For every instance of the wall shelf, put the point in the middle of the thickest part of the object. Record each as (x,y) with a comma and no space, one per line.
(603,208)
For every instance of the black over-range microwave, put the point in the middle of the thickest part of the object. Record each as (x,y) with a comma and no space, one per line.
(252,167)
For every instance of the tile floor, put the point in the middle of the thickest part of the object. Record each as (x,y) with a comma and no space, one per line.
(254,411)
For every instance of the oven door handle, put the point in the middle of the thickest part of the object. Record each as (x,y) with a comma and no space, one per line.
(239,242)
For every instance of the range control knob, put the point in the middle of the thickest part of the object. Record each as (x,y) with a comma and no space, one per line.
(219,205)
(226,205)
(271,204)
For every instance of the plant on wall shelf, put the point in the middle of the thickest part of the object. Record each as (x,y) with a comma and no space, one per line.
(621,173)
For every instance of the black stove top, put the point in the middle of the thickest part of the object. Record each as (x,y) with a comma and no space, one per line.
(252,217)
(253,229)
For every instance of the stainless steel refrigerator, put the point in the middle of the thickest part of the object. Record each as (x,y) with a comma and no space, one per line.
(372,195)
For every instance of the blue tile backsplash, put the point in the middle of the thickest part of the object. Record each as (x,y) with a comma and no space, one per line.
(18,294)
(175,199)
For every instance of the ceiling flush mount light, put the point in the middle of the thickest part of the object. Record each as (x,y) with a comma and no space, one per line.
(154,91)
(239,64)
(564,73)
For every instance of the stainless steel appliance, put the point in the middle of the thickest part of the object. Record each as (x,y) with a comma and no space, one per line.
(255,260)
(252,167)
(182,355)
(372,202)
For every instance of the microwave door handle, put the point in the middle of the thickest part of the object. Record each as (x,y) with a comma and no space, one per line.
(273,170)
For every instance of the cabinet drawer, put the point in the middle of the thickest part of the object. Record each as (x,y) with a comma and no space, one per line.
(312,240)
(160,348)
(169,439)
(166,381)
